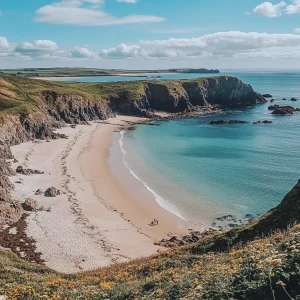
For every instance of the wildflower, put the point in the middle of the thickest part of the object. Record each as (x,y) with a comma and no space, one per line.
(281,283)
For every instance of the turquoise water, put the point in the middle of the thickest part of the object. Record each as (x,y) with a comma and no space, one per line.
(202,172)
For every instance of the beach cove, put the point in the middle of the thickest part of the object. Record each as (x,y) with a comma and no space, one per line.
(96,221)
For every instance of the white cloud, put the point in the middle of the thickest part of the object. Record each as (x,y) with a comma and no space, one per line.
(297,30)
(128,1)
(270,10)
(4,44)
(233,44)
(80,12)
(83,53)
(293,8)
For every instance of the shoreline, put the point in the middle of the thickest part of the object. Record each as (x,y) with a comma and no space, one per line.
(96,221)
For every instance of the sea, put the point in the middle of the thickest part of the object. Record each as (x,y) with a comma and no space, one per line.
(206,174)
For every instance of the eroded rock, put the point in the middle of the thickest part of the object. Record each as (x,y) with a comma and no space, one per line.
(52,192)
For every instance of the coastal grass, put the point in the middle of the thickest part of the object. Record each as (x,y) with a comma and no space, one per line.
(267,268)
(22,95)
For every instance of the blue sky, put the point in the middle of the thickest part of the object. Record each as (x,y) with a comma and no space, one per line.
(150,33)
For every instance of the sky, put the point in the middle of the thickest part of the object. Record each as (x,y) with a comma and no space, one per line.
(150,34)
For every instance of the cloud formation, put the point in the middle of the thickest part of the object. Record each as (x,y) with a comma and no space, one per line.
(234,44)
(293,8)
(270,10)
(87,13)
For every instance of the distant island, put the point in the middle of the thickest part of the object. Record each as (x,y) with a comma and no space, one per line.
(91,72)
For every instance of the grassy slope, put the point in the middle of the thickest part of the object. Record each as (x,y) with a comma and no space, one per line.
(259,261)
(15,91)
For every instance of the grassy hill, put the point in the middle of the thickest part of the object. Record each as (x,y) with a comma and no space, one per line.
(262,264)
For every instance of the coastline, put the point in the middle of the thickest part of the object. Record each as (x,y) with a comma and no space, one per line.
(97,220)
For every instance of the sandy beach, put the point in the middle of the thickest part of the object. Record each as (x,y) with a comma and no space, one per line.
(97,220)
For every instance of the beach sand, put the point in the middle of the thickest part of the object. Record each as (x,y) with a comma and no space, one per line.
(97,220)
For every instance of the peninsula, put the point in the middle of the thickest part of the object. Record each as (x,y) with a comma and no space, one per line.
(94,72)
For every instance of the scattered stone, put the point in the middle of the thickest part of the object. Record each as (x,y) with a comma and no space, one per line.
(192,237)
(39,192)
(272,100)
(228,218)
(29,205)
(21,170)
(263,122)
(73,126)
(227,122)
(52,192)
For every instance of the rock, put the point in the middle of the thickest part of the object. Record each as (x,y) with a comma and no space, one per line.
(283,110)
(52,192)
(273,107)
(293,99)
(29,205)
(39,192)
(226,122)
(284,99)
(228,218)
(21,170)
(267,95)
(272,100)
(263,122)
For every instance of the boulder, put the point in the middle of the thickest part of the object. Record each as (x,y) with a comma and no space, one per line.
(272,100)
(29,205)
(284,99)
(52,192)
(293,99)
(39,192)
(24,171)
(283,110)
(267,95)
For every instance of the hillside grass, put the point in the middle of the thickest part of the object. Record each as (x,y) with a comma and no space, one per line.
(23,95)
(267,268)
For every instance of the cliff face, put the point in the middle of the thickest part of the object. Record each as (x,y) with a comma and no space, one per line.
(75,109)
(186,95)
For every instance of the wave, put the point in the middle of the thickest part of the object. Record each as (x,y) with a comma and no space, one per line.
(160,200)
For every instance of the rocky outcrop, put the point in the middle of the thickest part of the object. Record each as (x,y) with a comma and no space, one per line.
(30,205)
(227,122)
(52,192)
(263,122)
(75,109)
(23,171)
(283,110)
(185,96)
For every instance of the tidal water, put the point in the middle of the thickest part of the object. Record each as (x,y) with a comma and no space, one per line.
(202,172)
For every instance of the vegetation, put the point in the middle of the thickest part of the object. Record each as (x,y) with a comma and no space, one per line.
(82,72)
(265,265)
(266,268)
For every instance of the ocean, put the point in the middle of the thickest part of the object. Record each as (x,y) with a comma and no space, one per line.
(202,172)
